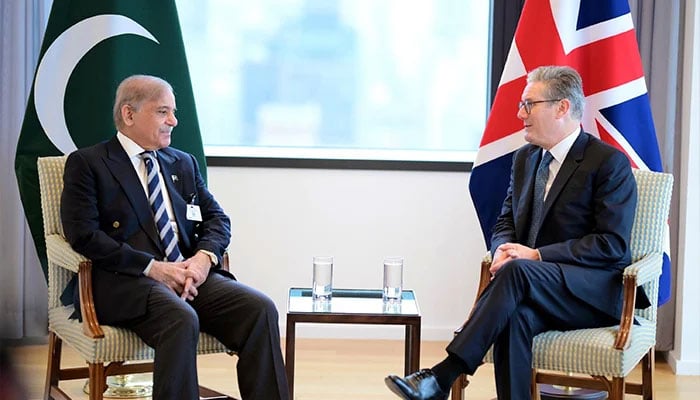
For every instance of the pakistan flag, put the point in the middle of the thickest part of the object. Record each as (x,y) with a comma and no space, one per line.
(88,48)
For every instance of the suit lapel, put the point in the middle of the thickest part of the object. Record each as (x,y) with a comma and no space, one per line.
(118,163)
(522,215)
(571,163)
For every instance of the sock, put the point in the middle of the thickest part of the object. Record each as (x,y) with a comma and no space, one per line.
(447,371)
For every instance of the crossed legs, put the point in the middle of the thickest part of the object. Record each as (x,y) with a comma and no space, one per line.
(525,298)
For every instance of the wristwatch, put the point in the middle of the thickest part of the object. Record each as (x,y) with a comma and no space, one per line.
(212,257)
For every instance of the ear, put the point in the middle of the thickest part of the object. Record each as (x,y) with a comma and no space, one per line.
(127,115)
(563,107)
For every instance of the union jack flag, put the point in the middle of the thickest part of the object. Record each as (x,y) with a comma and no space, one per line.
(598,40)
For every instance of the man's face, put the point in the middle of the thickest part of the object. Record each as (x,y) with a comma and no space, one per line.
(542,123)
(151,125)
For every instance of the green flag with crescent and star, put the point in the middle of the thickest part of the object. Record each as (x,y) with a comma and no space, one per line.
(88,48)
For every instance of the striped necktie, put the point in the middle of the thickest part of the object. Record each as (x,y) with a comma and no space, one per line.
(155,198)
(538,198)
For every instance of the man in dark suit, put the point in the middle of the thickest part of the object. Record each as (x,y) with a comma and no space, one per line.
(161,276)
(559,245)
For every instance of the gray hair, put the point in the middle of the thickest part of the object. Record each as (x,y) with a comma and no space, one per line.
(561,83)
(134,91)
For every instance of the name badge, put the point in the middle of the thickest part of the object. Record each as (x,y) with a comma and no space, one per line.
(193,213)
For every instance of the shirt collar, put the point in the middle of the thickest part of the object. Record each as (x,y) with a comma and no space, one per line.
(561,149)
(132,149)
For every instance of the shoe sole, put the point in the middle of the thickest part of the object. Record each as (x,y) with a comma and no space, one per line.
(395,389)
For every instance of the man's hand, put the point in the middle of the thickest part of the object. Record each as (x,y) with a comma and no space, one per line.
(511,251)
(182,277)
(197,269)
(171,274)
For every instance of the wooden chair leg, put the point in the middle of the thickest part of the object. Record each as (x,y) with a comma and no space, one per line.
(648,375)
(97,380)
(54,364)
(534,389)
(617,389)
(458,387)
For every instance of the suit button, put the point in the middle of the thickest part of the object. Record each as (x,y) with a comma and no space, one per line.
(115,224)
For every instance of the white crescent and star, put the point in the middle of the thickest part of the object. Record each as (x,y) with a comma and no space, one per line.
(60,60)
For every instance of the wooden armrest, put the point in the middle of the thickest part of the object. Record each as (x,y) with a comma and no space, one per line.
(91,327)
(638,273)
(225,261)
(627,317)
(484,279)
(61,254)
(484,276)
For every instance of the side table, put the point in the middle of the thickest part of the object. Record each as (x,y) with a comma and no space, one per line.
(353,306)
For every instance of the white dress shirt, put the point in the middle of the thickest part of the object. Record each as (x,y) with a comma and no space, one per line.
(559,153)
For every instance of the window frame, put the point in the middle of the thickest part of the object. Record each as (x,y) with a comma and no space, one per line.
(504,15)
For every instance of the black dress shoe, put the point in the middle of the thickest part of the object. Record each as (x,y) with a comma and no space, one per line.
(420,385)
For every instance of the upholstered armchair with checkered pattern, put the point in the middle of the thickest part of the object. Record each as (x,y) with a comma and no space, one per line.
(106,349)
(602,358)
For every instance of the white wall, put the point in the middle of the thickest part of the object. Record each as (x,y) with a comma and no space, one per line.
(283,217)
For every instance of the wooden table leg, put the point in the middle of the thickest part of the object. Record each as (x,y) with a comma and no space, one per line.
(412,348)
(289,354)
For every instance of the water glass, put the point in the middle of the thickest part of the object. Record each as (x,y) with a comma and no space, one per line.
(323,278)
(393,279)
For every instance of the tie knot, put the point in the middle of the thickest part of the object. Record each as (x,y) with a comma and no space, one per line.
(148,157)
(546,159)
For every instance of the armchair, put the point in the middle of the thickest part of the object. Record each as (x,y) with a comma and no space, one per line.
(104,348)
(602,358)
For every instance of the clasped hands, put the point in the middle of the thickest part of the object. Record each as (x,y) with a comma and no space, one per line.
(510,251)
(183,277)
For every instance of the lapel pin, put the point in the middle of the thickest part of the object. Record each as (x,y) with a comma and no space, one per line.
(174,178)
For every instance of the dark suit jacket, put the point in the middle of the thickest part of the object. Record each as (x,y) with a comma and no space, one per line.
(587,222)
(107,218)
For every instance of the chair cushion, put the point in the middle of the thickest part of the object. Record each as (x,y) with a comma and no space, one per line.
(119,344)
(590,351)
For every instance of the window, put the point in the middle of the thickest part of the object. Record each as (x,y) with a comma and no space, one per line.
(345,79)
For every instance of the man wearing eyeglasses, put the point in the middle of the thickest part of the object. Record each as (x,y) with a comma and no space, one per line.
(558,247)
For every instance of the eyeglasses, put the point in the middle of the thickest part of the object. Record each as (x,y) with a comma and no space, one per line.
(528,104)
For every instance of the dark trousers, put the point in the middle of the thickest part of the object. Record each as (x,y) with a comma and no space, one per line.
(525,298)
(242,318)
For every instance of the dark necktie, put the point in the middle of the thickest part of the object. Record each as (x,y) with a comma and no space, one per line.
(538,198)
(155,198)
